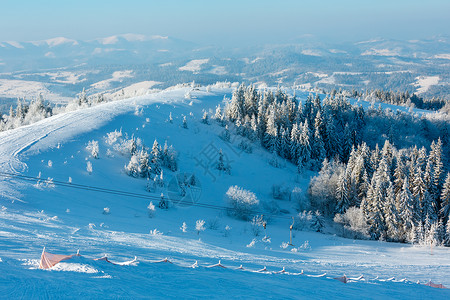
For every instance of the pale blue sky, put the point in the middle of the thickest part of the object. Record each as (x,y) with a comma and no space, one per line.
(211,21)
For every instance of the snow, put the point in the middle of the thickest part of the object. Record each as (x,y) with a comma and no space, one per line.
(136,89)
(57,41)
(15,44)
(117,76)
(423,83)
(130,37)
(218,70)
(194,65)
(11,88)
(382,52)
(442,56)
(311,52)
(28,221)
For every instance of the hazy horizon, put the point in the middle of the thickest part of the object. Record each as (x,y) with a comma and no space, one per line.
(232,23)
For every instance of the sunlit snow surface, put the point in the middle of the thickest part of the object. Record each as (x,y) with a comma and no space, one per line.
(65,220)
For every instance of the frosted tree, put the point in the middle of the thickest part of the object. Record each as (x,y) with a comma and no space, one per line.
(184,125)
(205,119)
(93,148)
(242,202)
(342,194)
(295,142)
(184,227)
(199,226)
(89,167)
(218,114)
(221,165)
(250,100)
(445,198)
(317,222)
(270,137)
(170,118)
(144,165)
(405,208)
(132,168)
(304,153)
(151,209)
(156,157)
(391,216)
(447,233)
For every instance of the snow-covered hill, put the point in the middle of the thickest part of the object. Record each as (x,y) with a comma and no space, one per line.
(65,211)
(61,67)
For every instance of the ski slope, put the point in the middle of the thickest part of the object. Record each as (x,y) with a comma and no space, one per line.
(64,219)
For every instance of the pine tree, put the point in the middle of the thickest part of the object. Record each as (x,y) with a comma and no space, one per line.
(156,157)
(304,153)
(270,136)
(447,233)
(392,216)
(294,143)
(405,208)
(343,202)
(317,222)
(445,198)
(205,118)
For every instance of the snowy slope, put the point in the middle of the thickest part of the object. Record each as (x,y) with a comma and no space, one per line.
(65,219)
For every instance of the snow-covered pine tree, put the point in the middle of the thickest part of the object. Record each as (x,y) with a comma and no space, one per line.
(317,222)
(391,216)
(270,137)
(156,157)
(184,227)
(405,208)
(205,119)
(343,201)
(199,226)
(294,143)
(445,199)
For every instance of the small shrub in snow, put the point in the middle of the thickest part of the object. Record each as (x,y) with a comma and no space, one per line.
(227,231)
(205,119)
(92,147)
(109,153)
(225,135)
(305,246)
(113,136)
(242,202)
(252,243)
(106,211)
(317,222)
(256,225)
(276,163)
(354,223)
(199,226)
(151,210)
(155,232)
(89,167)
(221,165)
(280,192)
(213,224)
(299,198)
(303,221)
(284,245)
(184,227)
(50,164)
(245,146)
